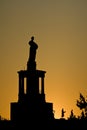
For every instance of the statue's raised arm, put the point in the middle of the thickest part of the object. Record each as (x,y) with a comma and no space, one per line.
(33,48)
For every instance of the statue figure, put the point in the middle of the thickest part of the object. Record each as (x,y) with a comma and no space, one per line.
(62,113)
(33,47)
(31,65)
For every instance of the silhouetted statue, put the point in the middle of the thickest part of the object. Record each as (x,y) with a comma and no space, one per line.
(33,47)
(72,114)
(62,113)
(31,64)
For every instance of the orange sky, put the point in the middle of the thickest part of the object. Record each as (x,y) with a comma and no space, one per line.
(60,30)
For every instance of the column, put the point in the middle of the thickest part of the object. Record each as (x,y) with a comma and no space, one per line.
(42,85)
(21,86)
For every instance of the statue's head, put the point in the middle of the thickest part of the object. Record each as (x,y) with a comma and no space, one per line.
(32,38)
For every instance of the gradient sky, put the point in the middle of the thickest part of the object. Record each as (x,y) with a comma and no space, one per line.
(60,30)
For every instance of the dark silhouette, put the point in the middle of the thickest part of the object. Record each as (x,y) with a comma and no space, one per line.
(31,111)
(31,106)
(63,112)
(82,115)
(72,115)
(82,104)
(31,64)
(33,47)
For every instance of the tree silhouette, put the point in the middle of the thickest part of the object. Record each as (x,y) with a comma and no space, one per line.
(82,104)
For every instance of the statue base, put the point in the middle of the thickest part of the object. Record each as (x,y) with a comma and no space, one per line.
(31,66)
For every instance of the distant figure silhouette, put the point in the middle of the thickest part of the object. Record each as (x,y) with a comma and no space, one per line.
(62,114)
(72,113)
(33,47)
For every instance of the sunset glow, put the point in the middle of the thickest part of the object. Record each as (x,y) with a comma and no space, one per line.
(60,30)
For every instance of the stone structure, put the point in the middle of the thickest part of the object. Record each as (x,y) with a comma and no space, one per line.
(31,105)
